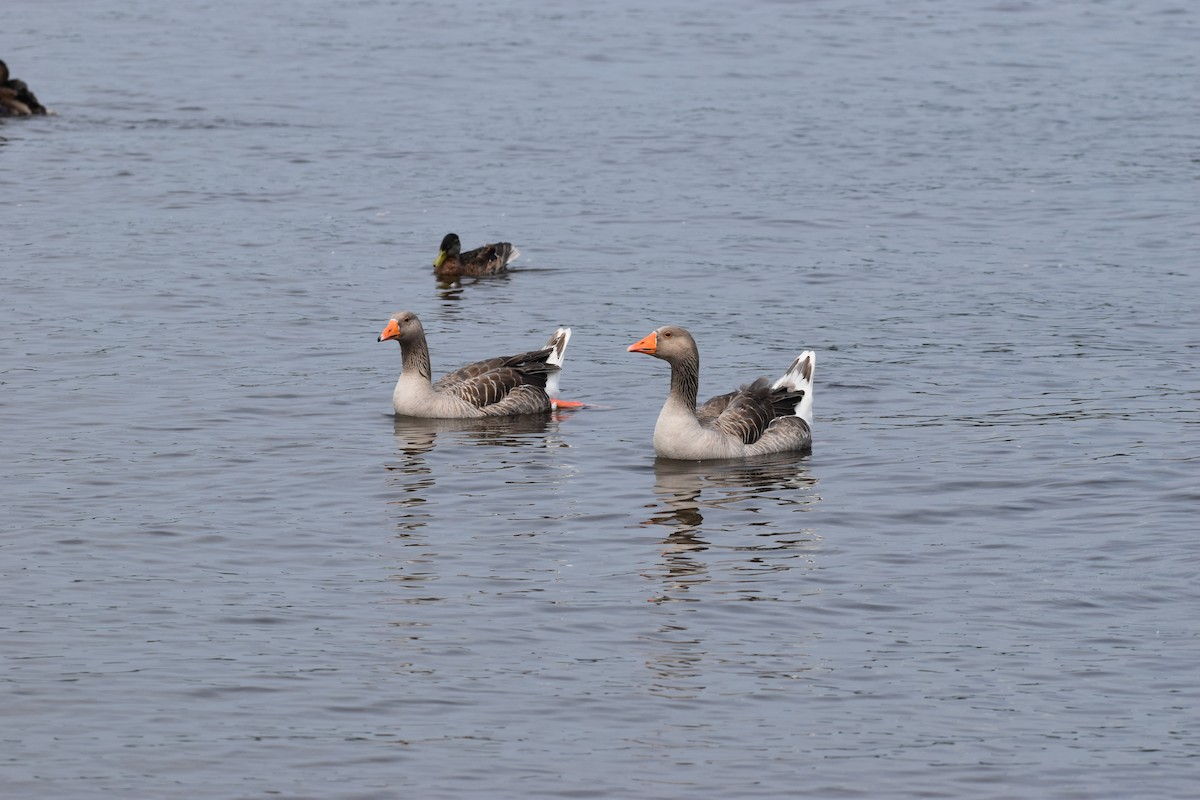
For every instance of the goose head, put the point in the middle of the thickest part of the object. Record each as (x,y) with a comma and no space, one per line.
(671,343)
(403,327)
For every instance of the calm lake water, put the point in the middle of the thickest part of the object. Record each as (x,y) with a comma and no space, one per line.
(227,571)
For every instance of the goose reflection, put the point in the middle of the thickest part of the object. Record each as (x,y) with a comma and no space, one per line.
(687,491)
(413,485)
(680,484)
(416,436)
(413,478)
(732,535)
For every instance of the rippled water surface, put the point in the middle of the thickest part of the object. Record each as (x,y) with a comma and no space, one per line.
(228,571)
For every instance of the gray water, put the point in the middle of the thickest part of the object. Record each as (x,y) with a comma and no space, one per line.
(227,571)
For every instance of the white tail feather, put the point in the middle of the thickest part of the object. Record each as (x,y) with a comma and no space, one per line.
(558,343)
(799,376)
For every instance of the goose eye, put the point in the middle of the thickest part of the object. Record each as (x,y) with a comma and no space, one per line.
(667,334)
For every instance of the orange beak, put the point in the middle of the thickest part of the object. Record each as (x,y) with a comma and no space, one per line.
(392,331)
(648,344)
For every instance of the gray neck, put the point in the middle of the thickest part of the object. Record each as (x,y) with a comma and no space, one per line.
(685,380)
(415,357)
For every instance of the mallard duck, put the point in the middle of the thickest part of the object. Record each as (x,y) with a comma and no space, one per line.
(526,383)
(15,98)
(759,418)
(491,259)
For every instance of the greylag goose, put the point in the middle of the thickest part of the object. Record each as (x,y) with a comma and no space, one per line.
(491,259)
(757,419)
(498,387)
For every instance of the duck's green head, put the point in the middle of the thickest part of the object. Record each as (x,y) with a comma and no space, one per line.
(449,247)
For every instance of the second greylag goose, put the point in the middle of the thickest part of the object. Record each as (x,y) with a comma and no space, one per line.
(526,383)
(491,259)
(759,418)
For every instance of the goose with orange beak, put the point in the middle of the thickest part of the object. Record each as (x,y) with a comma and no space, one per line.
(526,383)
(757,419)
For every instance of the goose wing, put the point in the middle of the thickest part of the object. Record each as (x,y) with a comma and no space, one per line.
(481,368)
(751,409)
(524,399)
(486,383)
(493,386)
(712,408)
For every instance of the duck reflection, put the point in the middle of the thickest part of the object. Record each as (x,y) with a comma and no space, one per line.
(451,289)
